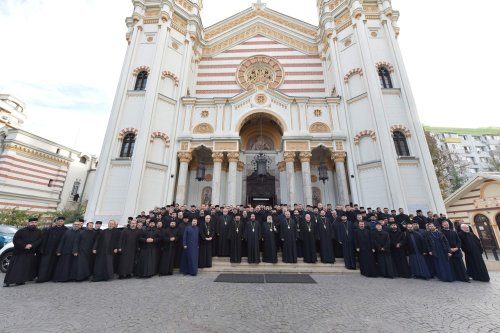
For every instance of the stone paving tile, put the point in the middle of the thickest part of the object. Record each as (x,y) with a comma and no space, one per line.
(337,303)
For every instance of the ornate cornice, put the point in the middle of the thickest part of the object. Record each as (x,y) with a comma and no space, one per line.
(35,153)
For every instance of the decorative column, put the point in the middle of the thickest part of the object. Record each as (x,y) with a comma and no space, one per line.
(184,158)
(305,159)
(339,158)
(217,157)
(289,158)
(233,158)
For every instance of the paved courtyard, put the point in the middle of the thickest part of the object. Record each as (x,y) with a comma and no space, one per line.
(337,303)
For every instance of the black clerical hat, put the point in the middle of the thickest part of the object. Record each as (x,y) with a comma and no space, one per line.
(33,219)
(185,215)
(98,222)
(61,218)
(419,211)
(81,220)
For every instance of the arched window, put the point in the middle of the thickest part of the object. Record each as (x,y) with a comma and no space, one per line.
(385,77)
(400,143)
(128,145)
(142,79)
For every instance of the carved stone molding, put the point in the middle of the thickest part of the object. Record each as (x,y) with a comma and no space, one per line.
(354,71)
(240,166)
(160,135)
(141,69)
(401,128)
(365,133)
(281,166)
(384,64)
(260,69)
(125,131)
(171,75)
(203,128)
(319,128)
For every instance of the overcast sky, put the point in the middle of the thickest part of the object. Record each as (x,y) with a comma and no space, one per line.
(63,59)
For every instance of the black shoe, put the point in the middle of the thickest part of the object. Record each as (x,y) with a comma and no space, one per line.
(6,285)
(20,284)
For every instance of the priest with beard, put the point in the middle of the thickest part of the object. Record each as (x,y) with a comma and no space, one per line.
(105,247)
(252,235)
(190,245)
(416,248)
(235,237)
(83,261)
(364,248)
(289,235)
(207,231)
(128,250)
(325,235)
(382,245)
(67,251)
(345,237)
(168,247)
(471,245)
(48,250)
(23,264)
(308,239)
(222,225)
(270,250)
(456,259)
(147,261)
(181,226)
(398,251)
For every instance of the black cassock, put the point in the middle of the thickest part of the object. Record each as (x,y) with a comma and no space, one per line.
(179,247)
(337,247)
(105,243)
(168,248)
(66,265)
(270,250)
(362,241)
(382,245)
(23,264)
(235,236)
(456,259)
(471,245)
(398,254)
(252,235)
(48,252)
(128,246)
(325,234)
(205,254)
(288,233)
(298,219)
(345,237)
(83,262)
(222,227)
(307,236)
(147,261)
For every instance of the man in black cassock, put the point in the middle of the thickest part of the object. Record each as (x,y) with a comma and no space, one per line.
(128,250)
(345,237)
(67,252)
(48,250)
(308,239)
(456,260)
(222,225)
(270,250)
(181,225)
(288,234)
(398,252)
(105,247)
(168,248)
(382,245)
(84,244)
(297,217)
(364,248)
(252,235)
(207,231)
(471,245)
(325,234)
(235,237)
(23,264)
(147,262)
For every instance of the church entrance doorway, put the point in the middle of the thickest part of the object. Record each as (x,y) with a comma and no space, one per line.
(261,190)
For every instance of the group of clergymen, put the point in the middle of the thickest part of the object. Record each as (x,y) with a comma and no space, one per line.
(379,242)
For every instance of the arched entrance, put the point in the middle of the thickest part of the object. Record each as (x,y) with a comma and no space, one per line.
(261,138)
(485,232)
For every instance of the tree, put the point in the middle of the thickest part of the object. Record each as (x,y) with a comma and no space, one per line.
(493,165)
(16,217)
(71,215)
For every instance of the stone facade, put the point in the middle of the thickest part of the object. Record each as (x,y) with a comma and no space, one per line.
(260,82)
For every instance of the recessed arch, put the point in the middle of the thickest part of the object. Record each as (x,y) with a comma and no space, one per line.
(256,113)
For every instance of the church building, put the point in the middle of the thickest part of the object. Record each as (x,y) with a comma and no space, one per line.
(263,108)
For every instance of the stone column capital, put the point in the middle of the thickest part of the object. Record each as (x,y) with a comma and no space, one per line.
(305,156)
(339,156)
(233,157)
(240,166)
(218,157)
(185,156)
(289,156)
(281,166)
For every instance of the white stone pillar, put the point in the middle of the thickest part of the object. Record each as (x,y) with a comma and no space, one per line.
(184,158)
(339,158)
(231,178)
(305,159)
(217,157)
(290,175)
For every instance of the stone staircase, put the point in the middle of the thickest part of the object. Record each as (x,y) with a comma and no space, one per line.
(222,265)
